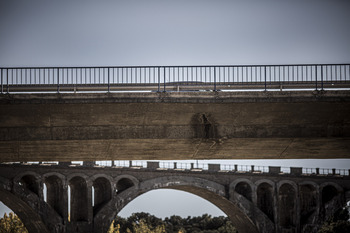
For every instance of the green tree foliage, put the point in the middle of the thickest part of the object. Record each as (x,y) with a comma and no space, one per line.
(143,227)
(146,223)
(113,228)
(338,223)
(11,224)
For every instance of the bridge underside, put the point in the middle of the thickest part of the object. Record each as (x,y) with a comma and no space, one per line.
(163,149)
(197,125)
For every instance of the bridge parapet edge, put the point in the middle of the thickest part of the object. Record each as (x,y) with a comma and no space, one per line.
(178,97)
(194,168)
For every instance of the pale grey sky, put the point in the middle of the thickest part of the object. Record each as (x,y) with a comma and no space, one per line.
(165,32)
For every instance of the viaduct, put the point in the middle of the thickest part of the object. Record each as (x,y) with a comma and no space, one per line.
(255,201)
(163,124)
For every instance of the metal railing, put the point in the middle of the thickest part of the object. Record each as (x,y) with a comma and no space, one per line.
(200,167)
(226,167)
(173,78)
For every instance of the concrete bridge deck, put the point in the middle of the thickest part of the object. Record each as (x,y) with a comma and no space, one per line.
(188,125)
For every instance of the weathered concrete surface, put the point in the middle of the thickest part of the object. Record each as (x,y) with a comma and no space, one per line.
(198,125)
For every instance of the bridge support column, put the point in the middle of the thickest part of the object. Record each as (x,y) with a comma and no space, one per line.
(81,216)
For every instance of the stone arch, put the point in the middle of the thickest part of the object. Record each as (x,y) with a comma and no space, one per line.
(331,198)
(79,199)
(287,206)
(243,187)
(103,191)
(208,190)
(30,181)
(308,199)
(59,175)
(292,183)
(106,213)
(329,190)
(30,218)
(124,182)
(265,198)
(56,193)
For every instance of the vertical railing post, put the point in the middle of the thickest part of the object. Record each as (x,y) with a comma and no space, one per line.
(109,86)
(158,79)
(2,84)
(58,80)
(265,76)
(7,80)
(315,76)
(164,79)
(214,78)
(322,77)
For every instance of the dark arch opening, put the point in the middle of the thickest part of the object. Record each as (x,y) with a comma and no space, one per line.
(265,200)
(167,202)
(308,202)
(102,193)
(78,199)
(328,193)
(55,194)
(124,184)
(30,182)
(286,206)
(237,215)
(331,201)
(244,189)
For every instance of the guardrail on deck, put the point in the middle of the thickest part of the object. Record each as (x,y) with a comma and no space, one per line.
(197,167)
(173,78)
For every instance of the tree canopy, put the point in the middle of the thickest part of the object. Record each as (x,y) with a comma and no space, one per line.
(12,224)
(147,223)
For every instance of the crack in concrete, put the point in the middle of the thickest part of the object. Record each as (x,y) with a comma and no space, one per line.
(212,145)
(108,148)
(197,149)
(281,154)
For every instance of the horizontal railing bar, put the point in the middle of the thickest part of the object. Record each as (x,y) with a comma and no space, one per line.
(170,66)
